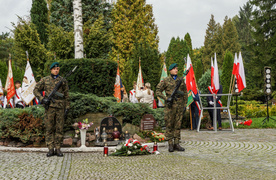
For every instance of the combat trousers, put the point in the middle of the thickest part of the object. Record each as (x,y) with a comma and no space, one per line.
(54,121)
(173,118)
(195,117)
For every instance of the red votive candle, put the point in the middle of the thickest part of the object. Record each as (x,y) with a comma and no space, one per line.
(105,150)
(155,147)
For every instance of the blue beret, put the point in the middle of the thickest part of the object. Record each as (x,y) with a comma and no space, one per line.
(55,64)
(173,65)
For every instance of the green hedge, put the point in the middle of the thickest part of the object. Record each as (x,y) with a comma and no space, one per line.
(96,76)
(17,123)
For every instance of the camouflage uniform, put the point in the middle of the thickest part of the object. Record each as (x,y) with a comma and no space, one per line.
(54,116)
(173,116)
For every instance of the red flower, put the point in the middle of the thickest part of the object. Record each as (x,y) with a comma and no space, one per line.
(141,149)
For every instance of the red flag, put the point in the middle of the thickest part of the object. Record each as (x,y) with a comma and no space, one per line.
(117,90)
(10,83)
(190,78)
(235,65)
(241,82)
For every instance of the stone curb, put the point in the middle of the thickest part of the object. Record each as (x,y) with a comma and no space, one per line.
(75,149)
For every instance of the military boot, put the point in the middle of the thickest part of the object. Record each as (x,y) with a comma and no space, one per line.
(177,147)
(171,146)
(50,153)
(59,153)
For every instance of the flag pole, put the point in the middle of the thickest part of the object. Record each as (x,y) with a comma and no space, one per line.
(27,54)
(230,84)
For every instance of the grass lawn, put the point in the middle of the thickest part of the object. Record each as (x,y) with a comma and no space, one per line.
(256,124)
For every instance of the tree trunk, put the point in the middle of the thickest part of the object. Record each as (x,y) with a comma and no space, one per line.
(78,29)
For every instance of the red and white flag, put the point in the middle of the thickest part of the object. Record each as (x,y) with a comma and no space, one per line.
(9,87)
(28,85)
(241,82)
(190,78)
(212,74)
(216,75)
(140,81)
(1,89)
(117,90)
(235,65)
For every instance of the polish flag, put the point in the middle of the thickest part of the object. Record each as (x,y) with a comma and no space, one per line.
(117,89)
(241,75)
(10,83)
(1,89)
(190,78)
(235,65)
(216,75)
(212,74)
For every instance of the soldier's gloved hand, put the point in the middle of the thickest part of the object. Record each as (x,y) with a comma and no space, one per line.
(45,101)
(211,103)
(169,100)
(66,112)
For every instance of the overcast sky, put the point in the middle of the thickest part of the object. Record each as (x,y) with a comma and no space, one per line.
(173,17)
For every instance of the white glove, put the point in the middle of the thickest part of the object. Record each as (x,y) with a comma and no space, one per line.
(211,103)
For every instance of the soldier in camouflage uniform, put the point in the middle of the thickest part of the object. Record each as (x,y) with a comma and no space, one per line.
(54,116)
(173,116)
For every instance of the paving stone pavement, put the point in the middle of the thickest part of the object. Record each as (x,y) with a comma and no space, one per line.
(244,154)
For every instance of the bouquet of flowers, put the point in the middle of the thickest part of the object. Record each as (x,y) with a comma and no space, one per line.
(130,148)
(157,137)
(84,124)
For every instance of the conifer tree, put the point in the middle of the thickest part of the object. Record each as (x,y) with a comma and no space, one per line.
(39,16)
(27,39)
(133,23)
(218,39)
(177,51)
(264,35)
(97,40)
(61,42)
(230,38)
(209,43)
(62,13)
(244,28)
(226,74)
(189,43)
(198,69)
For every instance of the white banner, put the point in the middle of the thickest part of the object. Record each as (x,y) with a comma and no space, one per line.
(1,88)
(28,85)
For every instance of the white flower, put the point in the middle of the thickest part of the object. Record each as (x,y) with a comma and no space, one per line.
(156,152)
(135,147)
(130,144)
(115,150)
(119,146)
(128,152)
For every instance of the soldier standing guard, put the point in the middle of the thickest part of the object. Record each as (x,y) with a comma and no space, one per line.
(173,115)
(54,115)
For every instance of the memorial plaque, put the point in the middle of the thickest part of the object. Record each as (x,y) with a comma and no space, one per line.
(148,122)
(109,123)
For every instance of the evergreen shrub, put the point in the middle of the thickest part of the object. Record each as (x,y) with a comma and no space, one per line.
(27,125)
(96,76)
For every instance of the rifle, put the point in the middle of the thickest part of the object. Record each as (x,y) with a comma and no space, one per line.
(56,88)
(175,91)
